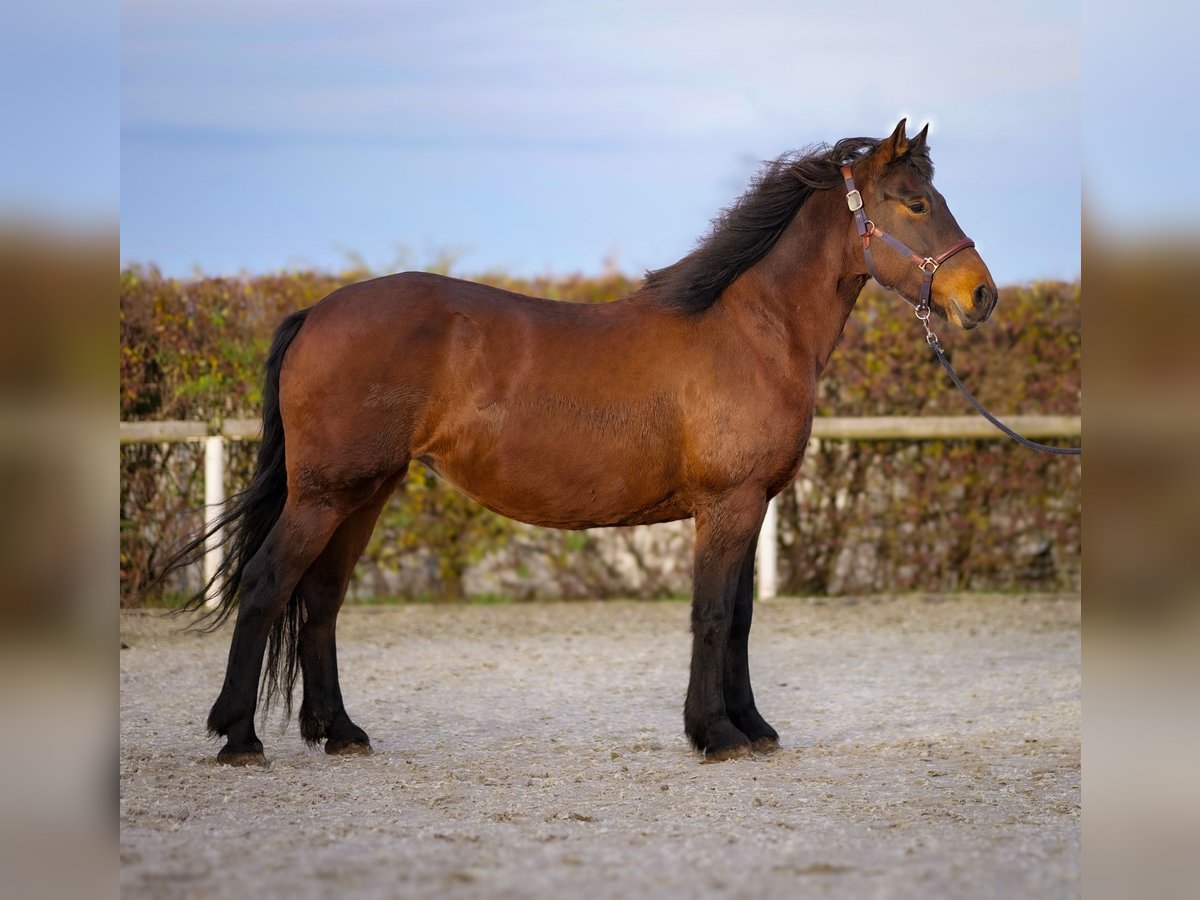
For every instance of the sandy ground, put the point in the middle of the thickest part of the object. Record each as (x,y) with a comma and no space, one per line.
(930,749)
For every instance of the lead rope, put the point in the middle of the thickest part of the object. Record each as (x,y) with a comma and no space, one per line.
(936,346)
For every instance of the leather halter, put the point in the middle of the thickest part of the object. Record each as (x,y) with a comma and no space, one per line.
(928,265)
(868,229)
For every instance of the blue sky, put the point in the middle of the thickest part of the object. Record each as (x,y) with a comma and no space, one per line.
(536,137)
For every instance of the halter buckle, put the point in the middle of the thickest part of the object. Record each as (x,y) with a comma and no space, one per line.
(927,264)
(854,200)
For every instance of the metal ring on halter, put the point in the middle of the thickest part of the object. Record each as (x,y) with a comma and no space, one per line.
(928,262)
(922,312)
(930,338)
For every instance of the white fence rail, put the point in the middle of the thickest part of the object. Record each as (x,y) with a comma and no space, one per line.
(870,428)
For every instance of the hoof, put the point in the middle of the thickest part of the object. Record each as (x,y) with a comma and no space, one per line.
(763,738)
(229,757)
(737,751)
(348,748)
(719,741)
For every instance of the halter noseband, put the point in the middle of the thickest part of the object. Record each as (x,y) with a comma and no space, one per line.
(867,230)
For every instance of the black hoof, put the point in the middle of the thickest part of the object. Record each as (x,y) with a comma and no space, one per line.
(348,748)
(719,741)
(349,741)
(724,754)
(250,754)
(762,736)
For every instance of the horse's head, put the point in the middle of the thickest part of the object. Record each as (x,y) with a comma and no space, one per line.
(900,204)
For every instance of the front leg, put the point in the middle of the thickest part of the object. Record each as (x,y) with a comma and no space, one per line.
(739,697)
(725,533)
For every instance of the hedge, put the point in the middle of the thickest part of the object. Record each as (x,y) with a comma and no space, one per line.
(863,516)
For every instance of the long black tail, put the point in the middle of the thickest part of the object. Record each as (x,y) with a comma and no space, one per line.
(247,519)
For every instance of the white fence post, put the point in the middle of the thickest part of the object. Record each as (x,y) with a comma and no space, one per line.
(214,503)
(767,555)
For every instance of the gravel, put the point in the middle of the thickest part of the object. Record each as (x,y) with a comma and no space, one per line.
(931,747)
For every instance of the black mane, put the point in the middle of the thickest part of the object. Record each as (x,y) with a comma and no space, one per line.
(745,232)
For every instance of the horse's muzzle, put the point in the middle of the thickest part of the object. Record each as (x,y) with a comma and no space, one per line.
(983,303)
(985,298)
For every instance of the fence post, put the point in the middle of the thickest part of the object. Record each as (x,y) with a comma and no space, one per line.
(767,555)
(214,502)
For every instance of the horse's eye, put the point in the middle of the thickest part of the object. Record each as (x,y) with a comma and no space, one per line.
(917,206)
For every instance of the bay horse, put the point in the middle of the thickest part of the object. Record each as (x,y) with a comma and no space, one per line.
(693,397)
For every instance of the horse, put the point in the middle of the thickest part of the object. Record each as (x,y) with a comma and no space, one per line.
(691,398)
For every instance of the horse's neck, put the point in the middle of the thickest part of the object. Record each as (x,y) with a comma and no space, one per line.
(804,289)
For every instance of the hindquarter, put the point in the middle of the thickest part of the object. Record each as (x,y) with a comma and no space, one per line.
(357,385)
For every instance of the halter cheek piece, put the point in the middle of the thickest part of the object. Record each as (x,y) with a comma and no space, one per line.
(867,230)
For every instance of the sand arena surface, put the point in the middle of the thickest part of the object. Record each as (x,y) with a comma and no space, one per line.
(931,747)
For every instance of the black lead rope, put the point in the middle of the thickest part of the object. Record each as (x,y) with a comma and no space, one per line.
(936,346)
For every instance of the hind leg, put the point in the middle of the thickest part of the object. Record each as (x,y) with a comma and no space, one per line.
(296,539)
(322,589)
(739,698)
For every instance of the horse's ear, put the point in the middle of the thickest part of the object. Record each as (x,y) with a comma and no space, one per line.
(918,142)
(893,147)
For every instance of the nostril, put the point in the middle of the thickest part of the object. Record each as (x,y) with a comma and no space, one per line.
(985,300)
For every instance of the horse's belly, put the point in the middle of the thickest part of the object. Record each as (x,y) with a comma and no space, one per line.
(556,474)
(555,499)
